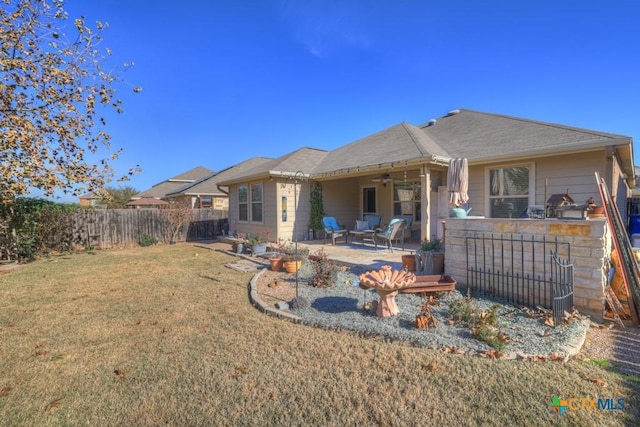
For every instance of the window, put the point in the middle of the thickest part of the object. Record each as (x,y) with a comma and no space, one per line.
(369,200)
(509,190)
(243,203)
(406,200)
(256,202)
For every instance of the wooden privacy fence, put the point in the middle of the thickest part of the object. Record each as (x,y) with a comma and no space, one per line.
(124,227)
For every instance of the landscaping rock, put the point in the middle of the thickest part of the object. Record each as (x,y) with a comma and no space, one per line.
(282,305)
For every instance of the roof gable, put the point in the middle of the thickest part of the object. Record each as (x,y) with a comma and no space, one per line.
(303,159)
(402,142)
(483,136)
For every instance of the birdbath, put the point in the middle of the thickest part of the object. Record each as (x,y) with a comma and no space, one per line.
(387,282)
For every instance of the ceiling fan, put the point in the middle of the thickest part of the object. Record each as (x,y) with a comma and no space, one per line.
(384,178)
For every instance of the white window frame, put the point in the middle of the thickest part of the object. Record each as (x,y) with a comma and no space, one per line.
(252,203)
(246,202)
(487,182)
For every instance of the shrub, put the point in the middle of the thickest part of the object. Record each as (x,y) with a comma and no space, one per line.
(483,324)
(324,270)
(147,240)
(31,227)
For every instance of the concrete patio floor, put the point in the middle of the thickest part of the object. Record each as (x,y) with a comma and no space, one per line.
(353,253)
(363,253)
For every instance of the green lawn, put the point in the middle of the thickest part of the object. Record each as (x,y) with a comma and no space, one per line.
(165,335)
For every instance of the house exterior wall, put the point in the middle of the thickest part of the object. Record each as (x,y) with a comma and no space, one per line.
(573,173)
(590,248)
(268,223)
(341,199)
(290,229)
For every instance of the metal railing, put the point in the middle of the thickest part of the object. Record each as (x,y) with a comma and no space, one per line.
(525,271)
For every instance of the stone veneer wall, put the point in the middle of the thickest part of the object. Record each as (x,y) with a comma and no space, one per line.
(590,248)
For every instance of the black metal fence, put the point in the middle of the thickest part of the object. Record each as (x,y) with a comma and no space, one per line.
(526,271)
(562,282)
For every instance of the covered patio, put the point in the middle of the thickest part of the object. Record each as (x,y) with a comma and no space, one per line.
(362,253)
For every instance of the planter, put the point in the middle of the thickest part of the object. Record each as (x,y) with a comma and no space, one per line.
(596,212)
(276,263)
(292,266)
(238,248)
(430,262)
(258,248)
(409,262)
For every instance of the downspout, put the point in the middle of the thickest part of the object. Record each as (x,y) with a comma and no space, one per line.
(425,202)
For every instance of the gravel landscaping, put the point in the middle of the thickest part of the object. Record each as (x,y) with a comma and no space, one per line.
(348,307)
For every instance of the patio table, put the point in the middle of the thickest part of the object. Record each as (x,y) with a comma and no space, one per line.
(364,234)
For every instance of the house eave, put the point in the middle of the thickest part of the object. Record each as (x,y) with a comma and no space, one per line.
(355,171)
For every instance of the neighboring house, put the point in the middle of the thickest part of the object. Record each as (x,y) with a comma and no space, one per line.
(91,200)
(514,163)
(207,193)
(146,202)
(171,185)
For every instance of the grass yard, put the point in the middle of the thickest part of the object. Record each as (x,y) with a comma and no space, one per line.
(165,335)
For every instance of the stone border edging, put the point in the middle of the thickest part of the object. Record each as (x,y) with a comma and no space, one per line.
(257,302)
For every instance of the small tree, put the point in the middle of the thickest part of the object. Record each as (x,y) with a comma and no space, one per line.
(177,216)
(54,90)
(118,197)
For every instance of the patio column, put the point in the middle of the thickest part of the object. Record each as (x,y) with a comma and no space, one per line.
(425,202)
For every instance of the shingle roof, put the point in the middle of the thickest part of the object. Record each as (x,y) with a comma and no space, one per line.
(160,190)
(193,174)
(483,136)
(402,142)
(303,159)
(175,183)
(208,186)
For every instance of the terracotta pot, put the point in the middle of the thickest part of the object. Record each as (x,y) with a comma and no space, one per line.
(276,263)
(292,266)
(409,262)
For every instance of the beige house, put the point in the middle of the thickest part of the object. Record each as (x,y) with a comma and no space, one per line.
(173,185)
(514,163)
(207,191)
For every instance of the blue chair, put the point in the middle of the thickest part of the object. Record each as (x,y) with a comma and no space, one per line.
(373,220)
(333,229)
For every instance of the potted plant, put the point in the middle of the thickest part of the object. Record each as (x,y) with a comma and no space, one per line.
(275,258)
(292,258)
(429,257)
(258,243)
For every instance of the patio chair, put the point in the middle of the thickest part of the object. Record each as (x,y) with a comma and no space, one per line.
(393,232)
(373,220)
(333,229)
(408,223)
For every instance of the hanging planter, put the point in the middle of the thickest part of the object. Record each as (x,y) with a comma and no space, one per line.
(292,266)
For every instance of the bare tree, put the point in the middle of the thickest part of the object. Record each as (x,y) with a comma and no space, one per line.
(178,216)
(53,94)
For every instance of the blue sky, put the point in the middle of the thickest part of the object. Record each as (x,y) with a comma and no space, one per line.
(224,81)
